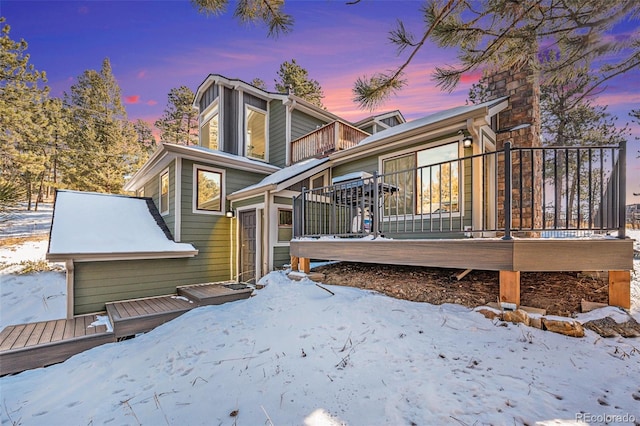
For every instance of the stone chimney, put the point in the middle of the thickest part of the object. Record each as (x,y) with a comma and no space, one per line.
(519,123)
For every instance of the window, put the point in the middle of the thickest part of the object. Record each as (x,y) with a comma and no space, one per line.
(164,192)
(256,134)
(428,181)
(209,133)
(208,194)
(438,180)
(285,225)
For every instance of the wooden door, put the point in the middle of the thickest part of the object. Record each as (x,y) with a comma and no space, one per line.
(247,271)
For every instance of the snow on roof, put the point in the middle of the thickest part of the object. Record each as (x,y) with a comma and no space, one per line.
(430,119)
(92,223)
(285,174)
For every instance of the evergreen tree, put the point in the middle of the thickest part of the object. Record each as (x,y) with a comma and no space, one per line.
(292,76)
(102,147)
(504,32)
(145,136)
(179,121)
(259,83)
(23,154)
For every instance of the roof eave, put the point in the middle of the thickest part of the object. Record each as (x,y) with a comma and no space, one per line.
(104,257)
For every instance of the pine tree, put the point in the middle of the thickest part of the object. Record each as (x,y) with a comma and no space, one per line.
(292,76)
(259,83)
(179,121)
(102,148)
(23,153)
(485,32)
(145,136)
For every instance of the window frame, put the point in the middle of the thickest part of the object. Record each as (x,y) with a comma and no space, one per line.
(164,173)
(211,111)
(194,192)
(281,226)
(415,150)
(248,107)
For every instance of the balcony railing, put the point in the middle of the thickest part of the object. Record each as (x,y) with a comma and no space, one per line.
(332,137)
(528,192)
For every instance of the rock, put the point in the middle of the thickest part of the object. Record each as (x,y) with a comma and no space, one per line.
(568,328)
(488,313)
(517,316)
(535,322)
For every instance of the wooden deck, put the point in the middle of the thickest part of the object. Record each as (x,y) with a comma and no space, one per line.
(39,344)
(34,345)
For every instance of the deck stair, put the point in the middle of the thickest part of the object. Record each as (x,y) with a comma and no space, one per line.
(34,345)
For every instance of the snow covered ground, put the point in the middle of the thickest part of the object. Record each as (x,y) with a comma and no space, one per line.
(296,355)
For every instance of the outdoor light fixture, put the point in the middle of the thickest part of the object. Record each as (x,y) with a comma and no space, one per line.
(467,140)
(230,213)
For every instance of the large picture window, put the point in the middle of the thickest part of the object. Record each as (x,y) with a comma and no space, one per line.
(428,181)
(164,192)
(209,133)
(256,134)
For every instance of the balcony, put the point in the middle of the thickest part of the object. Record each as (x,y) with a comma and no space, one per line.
(332,137)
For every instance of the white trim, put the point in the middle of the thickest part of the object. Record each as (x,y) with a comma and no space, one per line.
(258,259)
(248,107)
(162,173)
(194,191)
(286,193)
(287,132)
(276,220)
(177,223)
(240,133)
(221,117)
(105,257)
(69,266)
(325,181)
(206,116)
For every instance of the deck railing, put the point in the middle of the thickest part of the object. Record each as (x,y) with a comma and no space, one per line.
(529,192)
(332,137)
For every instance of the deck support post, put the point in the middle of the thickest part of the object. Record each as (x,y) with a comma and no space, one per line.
(620,289)
(305,265)
(510,287)
(294,263)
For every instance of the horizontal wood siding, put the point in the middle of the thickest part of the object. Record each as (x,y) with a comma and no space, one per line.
(283,200)
(281,257)
(152,190)
(301,124)
(211,234)
(277,134)
(259,199)
(365,164)
(101,282)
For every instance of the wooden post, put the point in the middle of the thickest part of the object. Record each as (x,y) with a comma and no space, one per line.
(294,263)
(305,265)
(510,287)
(620,289)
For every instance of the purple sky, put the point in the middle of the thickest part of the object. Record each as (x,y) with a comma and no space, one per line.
(157,45)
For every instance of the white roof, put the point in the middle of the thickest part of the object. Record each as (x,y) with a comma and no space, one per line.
(430,119)
(87,223)
(285,174)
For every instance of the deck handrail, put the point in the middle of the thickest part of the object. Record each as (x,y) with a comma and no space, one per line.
(529,191)
(334,136)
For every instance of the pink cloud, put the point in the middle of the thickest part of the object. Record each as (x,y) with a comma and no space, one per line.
(152,102)
(142,74)
(133,99)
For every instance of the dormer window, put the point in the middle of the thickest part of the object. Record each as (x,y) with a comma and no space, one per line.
(209,133)
(256,133)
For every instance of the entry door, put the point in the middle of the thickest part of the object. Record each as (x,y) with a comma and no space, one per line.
(247,271)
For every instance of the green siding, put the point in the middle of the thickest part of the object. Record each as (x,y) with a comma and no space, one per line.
(99,282)
(281,257)
(277,134)
(283,200)
(259,199)
(365,164)
(152,190)
(301,124)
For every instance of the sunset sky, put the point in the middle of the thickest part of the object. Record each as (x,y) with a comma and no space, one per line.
(157,45)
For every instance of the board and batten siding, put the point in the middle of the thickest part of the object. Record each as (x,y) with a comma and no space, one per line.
(277,133)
